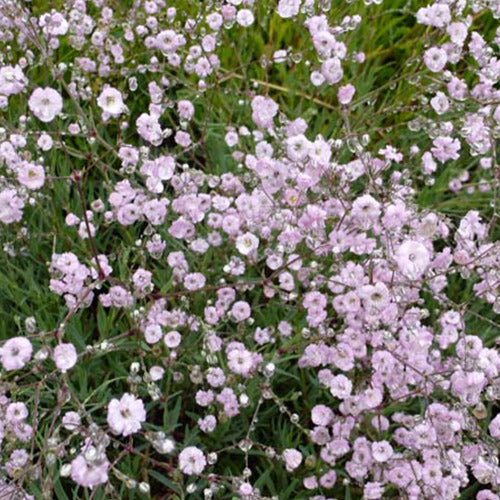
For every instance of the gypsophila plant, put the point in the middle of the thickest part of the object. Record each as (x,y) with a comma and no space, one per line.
(249,249)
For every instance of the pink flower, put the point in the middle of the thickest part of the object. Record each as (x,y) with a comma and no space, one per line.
(446,148)
(149,129)
(16,412)
(331,69)
(15,353)
(194,281)
(288,8)
(30,175)
(172,339)
(264,109)
(65,356)
(373,491)
(240,311)
(110,100)
(310,483)
(435,59)
(71,421)
(90,472)
(494,427)
(45,142)
(245,18)
(412,258)
(156,373)
(153,333)
(185,109)
(328,480)
(381,451)
(292,458)
(207,424)
(17,461)
(245,490)
(321,415)
(346,93)
(11,206)
(240,361)
(126,415)
(192,461)
(182,138)
(340,387)
(45,104)
(12,80)
(247,243)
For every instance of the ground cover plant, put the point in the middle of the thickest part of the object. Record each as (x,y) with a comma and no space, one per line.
(249,249)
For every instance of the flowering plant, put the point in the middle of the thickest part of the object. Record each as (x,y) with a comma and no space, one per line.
(249,249)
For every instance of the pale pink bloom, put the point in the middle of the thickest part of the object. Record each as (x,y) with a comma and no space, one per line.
(88,473)
(71,421)
(172,339)
(321,415)
(288,8)
(264,109)
(245,18)
(240,311)
(245,489)
(11,206)
(125,415)
(45,142)
(435,59)
(247,243)
(15,353)
(185,109)
(153,333)
(346,93)
(12,80)
(494,427)
(194,281)
(45,104)
(381,451)
(156,373)
(65,356)
(54,23)
(110,100)
(340,387)
(192,461)
(412,258)
(293,458)
(30,175)
(331,69)
(240,361)
(16,412)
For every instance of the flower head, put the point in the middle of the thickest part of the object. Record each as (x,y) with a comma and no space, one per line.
(192,461)
(15,353)
(45,104)
(125,415)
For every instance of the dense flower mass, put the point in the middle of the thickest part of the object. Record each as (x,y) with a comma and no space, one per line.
(250,249)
